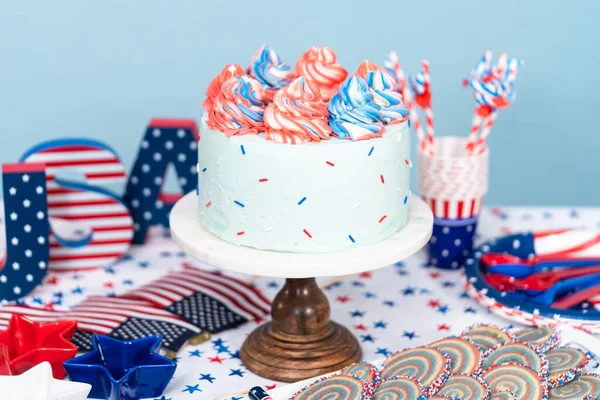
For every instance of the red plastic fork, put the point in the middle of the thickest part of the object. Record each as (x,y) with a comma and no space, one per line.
(544,280)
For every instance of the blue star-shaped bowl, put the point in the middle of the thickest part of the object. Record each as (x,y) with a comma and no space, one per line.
(119,370)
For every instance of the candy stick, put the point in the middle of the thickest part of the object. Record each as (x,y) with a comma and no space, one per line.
(393,65)
(475,126)
(485,132)
(427,109)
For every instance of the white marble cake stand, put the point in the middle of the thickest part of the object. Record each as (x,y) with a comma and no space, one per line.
(300,341)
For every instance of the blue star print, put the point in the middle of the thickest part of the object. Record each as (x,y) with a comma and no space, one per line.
(409,335)
(195,353)
(207,377)
(370,295)
(77,290)
(222,349)
(235,355)
(384,352)
(357,313)
(380,324)
(389,303)
(448,284)
(443,309)
(218,342)
(408,291)
(367,338)
(470,310)
(192,389)
(237,372)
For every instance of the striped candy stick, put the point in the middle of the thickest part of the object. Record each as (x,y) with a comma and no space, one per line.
(393,65)
(485,131)
(427,109)
(475,126)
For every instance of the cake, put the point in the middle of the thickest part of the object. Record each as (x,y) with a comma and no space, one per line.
(303,160)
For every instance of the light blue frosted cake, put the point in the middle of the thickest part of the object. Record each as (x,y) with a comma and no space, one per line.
(285,165)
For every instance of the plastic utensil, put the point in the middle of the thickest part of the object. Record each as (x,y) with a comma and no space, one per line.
(547,297)
(544,280)
(523,268)
(576,298)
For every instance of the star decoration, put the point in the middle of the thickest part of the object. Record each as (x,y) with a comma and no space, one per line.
(118,368)
(367,338)
(408,291)
(192,389)
(195,353)
(380,324)
(409,335)
(207,377)
(37,383)
(35,342)
(357,313)
(237,372)
(383,351)
(216,359)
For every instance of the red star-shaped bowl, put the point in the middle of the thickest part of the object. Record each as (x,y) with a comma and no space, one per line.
(30,343)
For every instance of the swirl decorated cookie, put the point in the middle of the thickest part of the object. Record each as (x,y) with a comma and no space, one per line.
(580,387)
(401,388)
(524,382)
(565,364)
(465,355)
(364,371)
(429,366)
(465,387)
(544,337)
(336,387)
(517,353)
(486,336)
(504,395)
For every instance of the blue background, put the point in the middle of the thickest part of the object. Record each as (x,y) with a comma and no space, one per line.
(102,69)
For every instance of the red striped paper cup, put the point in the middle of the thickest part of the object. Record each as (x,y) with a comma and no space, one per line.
(452,182)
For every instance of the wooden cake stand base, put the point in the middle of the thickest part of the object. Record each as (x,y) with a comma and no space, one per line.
(300,341)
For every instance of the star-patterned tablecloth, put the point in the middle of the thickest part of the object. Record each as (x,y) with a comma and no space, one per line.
(402,305)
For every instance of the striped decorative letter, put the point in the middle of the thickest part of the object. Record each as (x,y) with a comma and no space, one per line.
(91,225)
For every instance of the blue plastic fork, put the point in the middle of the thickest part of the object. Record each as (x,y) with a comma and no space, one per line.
(562,287)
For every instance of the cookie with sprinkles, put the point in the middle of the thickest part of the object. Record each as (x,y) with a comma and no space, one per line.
(504,395)
(401,388)
(465,355)
(364,371)
(524,382)
(428,365)
(465,387)
(580,387)
(543,337)
(565,364)
(486,336)
(517,353)
(335,387)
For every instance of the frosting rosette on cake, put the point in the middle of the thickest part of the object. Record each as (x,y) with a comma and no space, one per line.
(383,85)
(353,113)
(267,67)
(214,88)
(297,114)
(365,68)
(319,66)
(239,107)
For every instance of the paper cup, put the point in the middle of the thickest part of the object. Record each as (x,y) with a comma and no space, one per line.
(454,184)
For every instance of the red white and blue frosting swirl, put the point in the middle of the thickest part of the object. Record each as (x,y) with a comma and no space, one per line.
(385,92)
(353,113)
(239,107)
(297,114)
(267,67)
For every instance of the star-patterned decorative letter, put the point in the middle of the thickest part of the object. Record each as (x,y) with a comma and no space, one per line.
(28,243)
(166,142)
